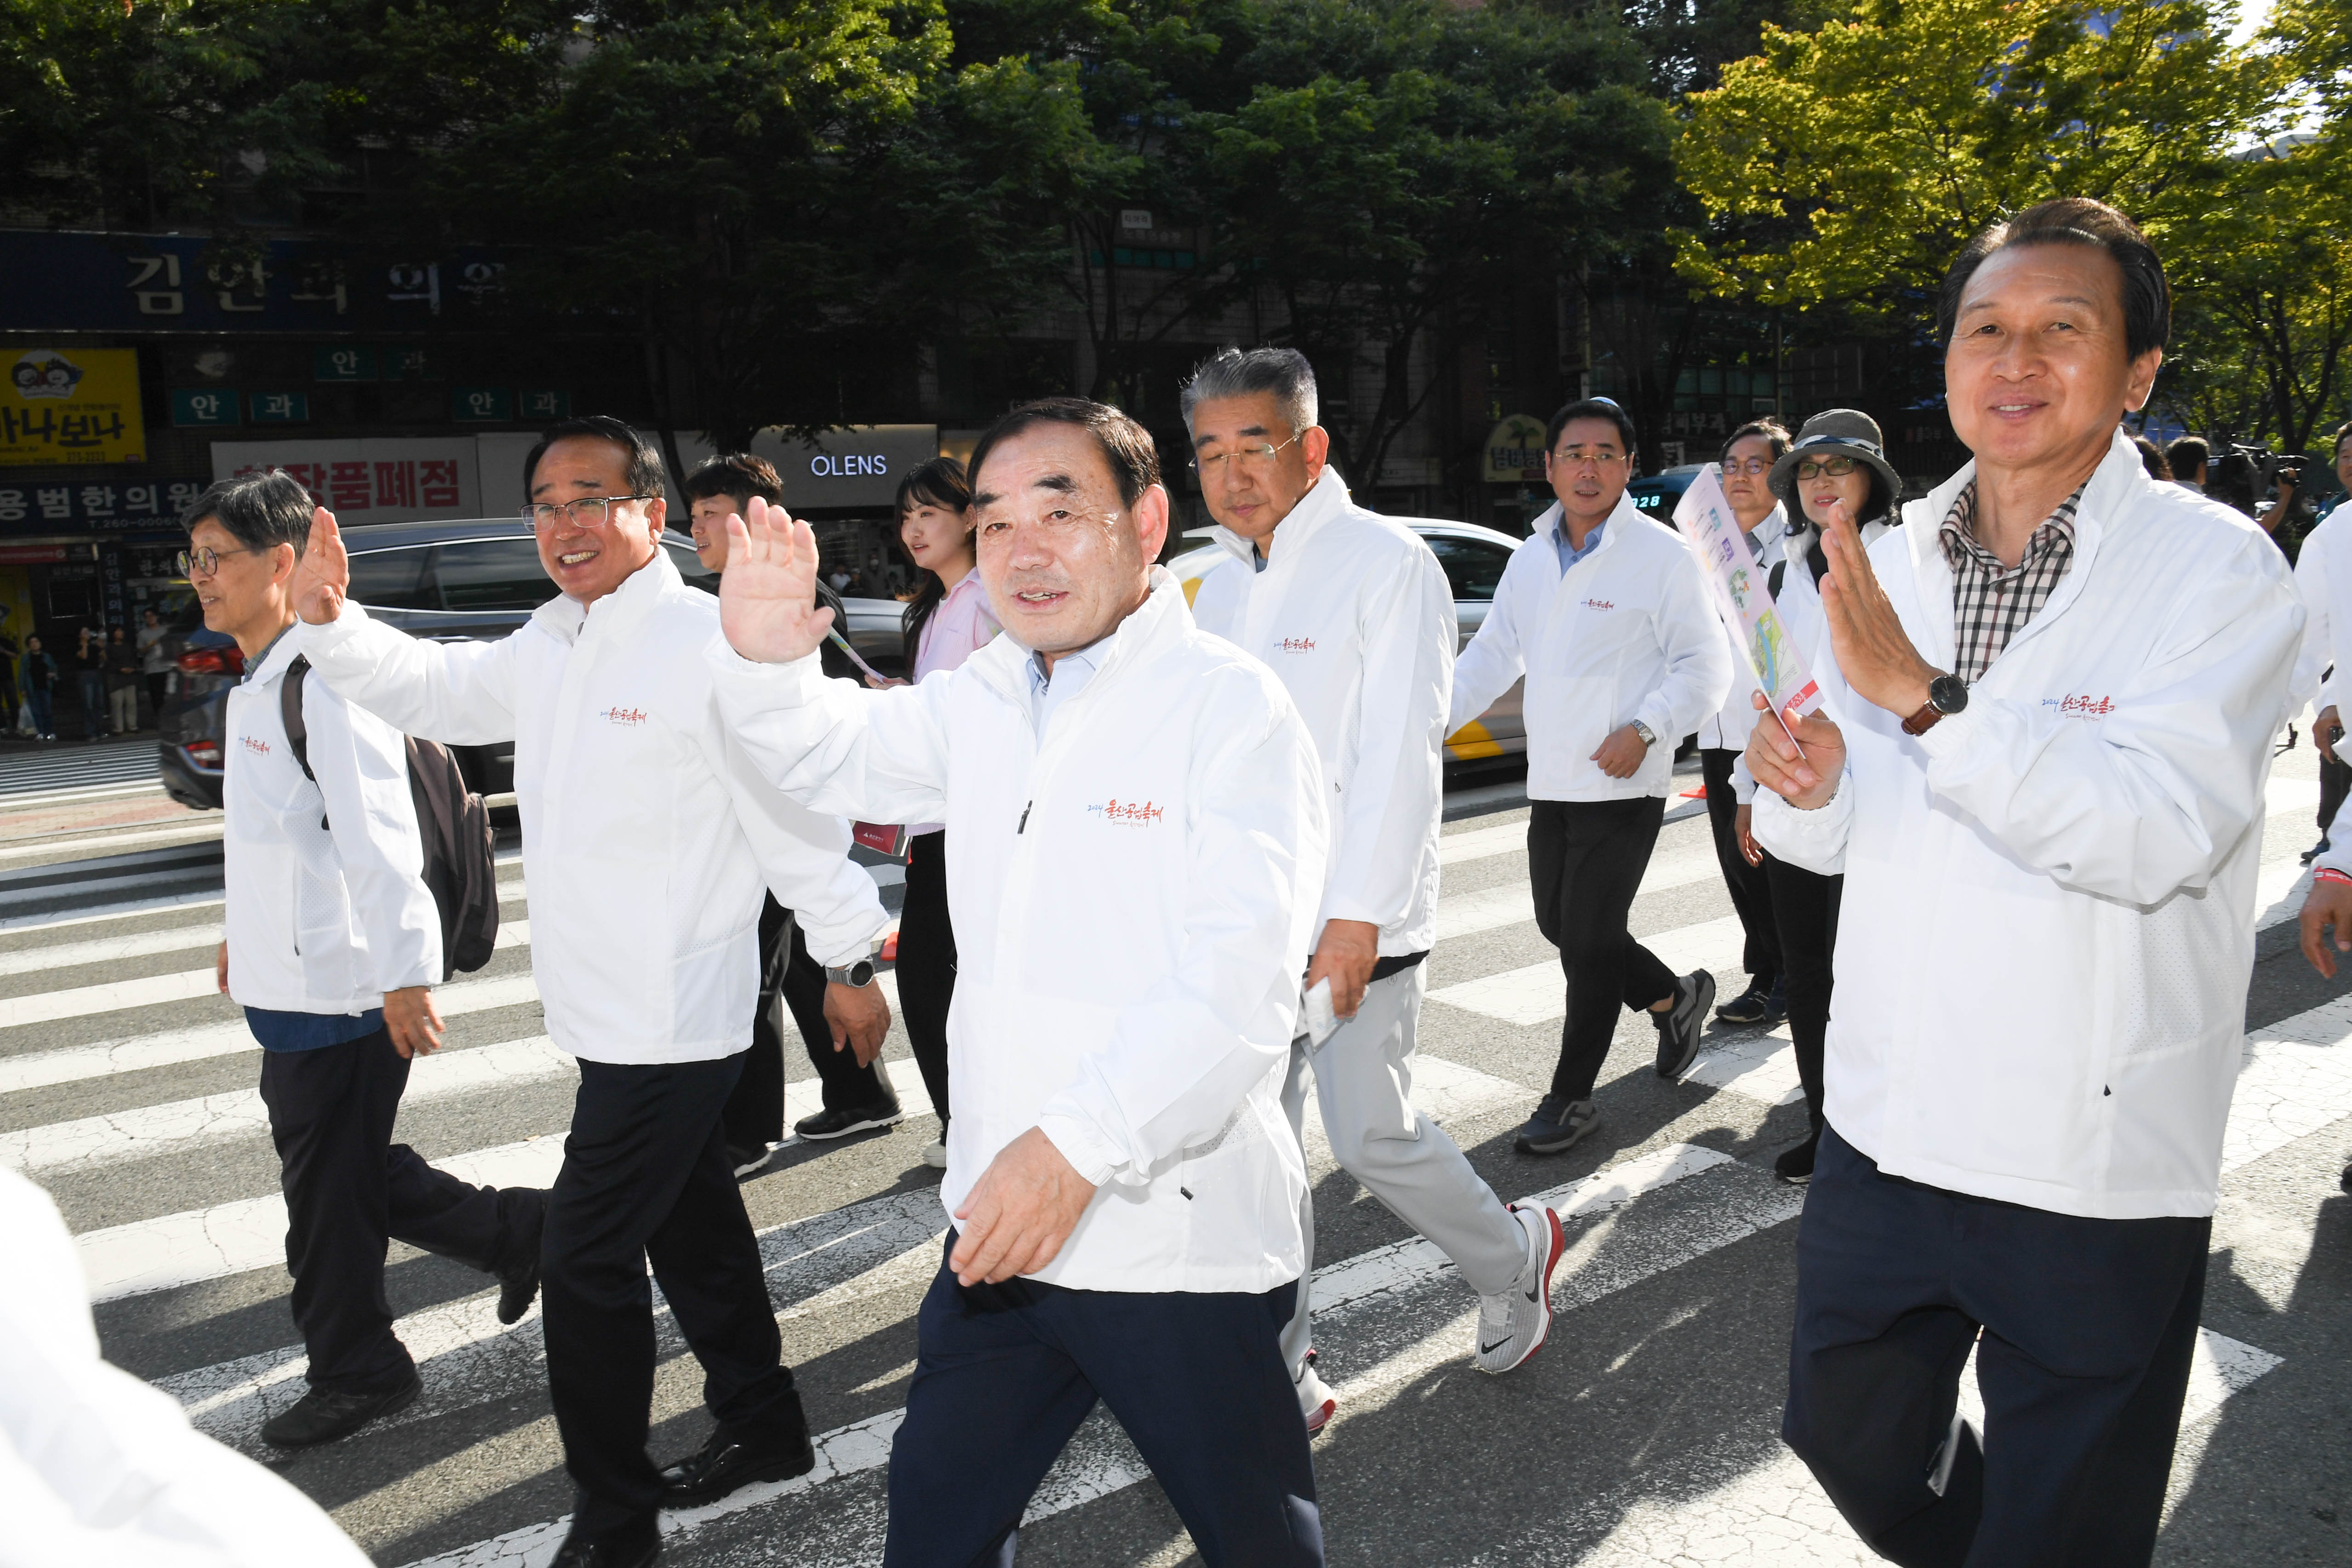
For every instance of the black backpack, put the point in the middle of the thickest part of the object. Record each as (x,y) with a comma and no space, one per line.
(460,857)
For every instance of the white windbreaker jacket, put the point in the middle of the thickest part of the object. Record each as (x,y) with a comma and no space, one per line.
(1133,894)
(2048,922)
(1354,616)
(646,835)
(1630,632)
(326,906)
(2323,577)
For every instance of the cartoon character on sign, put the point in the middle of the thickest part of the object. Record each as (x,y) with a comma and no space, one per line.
(45,372)
(1767,639)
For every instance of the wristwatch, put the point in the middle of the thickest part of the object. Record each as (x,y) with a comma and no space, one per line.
(1947,694)
(860,974)
(1649,736)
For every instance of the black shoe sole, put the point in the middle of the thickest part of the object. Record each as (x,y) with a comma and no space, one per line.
(865,1126)
(1689,1054)
(781,1471)
(1546,1150)
(392,1405)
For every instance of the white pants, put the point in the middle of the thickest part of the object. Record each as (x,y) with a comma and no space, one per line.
(1363,1086)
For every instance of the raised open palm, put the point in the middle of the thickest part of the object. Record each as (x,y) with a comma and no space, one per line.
(767,597)
(323,576)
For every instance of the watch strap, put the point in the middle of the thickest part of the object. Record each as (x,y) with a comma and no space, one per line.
(1926,719)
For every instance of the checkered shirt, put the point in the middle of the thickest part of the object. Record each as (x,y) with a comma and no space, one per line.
(1991,603)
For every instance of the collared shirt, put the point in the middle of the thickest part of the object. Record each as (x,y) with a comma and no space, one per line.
(961,625)
(1569,554)
(1071,671)
(1992,603)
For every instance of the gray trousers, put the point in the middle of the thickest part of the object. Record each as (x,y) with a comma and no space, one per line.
(1363,1086)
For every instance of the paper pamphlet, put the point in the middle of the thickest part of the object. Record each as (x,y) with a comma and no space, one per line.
(1706,520)
(1317,1020)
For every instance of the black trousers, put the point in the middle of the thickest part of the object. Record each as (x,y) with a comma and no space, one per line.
(2087,1330)
(2335,784)
(1586,858)
(1806,906)
(1005,1373)
(926,966)
(646,1177)
(349,1188)
(792,981)
(1751,894)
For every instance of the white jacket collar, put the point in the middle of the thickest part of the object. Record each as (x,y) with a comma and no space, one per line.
(1325,500)
(634,599)
(1161,618)
(1549,523)
(282,651)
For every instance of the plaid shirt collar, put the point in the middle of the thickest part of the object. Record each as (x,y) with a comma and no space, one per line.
(1992,603)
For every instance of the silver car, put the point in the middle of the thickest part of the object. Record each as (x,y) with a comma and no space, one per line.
(1473,558)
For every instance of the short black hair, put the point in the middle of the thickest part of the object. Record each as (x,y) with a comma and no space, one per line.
(2336,442)
(1126,445)
(259,511)
(940,482)
(1591,408)
(738,476)
(1770,429)
(2074,220)
(2151,458)
(647,476)
(2187,452)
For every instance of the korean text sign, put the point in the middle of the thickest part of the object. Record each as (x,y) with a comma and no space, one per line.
(77,407)
(1742,594)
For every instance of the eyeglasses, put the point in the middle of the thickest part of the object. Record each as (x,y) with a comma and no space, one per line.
(1835,468)
(1751,468)
(1255,459)
(204,560)
(1577,456)
(588,511)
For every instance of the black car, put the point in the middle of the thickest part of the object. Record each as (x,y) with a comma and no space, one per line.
(452,581)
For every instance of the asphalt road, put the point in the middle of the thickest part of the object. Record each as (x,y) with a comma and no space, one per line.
(1645,1433)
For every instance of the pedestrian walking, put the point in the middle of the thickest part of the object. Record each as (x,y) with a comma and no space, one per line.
(1746,460)
(155,661)
(121,682)
(946,622)
(645,833)
(333,946)
(1138,824)
(1354,616)
(1605,614)
(89,681)
(36,673)
(2056,688)
(1837,467)
(827,1009)
(2323,577)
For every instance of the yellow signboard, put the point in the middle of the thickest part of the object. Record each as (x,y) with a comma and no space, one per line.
(76,406)
(1515,451)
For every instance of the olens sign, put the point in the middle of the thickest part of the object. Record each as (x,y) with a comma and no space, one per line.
(859,466)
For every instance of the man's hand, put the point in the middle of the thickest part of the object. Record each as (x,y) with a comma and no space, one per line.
(412,1020)
(1807,778)
(1345,955)
(1019,1213)
(2328,904)
(1873,652)
(859,1017)
(1621,754)
(323,576)
(1742,828)
(2323,732)
(767,599)
(220,968)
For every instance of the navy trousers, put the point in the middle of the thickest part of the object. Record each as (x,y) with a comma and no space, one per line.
(1005,1373)
(2087,1329)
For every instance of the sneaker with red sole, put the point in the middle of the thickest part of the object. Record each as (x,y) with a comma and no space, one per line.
(1513,1325)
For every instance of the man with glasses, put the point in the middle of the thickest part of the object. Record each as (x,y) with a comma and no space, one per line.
(1605,613)
(1353,615)
(647,838)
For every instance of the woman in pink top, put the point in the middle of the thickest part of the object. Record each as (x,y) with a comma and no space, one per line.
(946,622)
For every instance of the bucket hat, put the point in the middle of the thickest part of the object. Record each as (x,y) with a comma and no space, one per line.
(1835,432)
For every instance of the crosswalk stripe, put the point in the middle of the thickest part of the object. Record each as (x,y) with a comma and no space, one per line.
(110,949)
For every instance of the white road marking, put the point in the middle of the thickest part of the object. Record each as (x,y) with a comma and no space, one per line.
(1537,994)
(110,950)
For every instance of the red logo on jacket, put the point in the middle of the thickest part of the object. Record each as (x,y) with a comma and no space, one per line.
(1296,645)
(625,715)
(1128,812)
(258,748)
(2087,707)
(1599,604)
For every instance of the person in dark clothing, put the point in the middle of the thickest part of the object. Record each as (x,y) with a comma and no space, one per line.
(36,675)
(89,677)
(121,681)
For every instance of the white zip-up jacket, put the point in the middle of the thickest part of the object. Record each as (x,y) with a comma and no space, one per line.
(2322,578)
(2048,922)
(327,908)
(1355,617)
(1134,894)
(646,835)
(1727,727)
(1630,632)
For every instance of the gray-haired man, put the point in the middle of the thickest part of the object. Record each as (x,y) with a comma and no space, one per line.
(1354,616)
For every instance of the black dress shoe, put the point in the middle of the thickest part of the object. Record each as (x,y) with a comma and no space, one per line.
(842,1124)
(518,1270)
(737,1457)
(631,1548)
(323,1416)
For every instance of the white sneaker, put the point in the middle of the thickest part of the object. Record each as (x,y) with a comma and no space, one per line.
(935,1155)
(1513,1326)
(1315,1400)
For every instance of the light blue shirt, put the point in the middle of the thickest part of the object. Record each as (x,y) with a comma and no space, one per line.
(1071,672)
(1569,554)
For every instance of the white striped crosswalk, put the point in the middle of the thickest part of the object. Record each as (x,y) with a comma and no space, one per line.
(1390,1320)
